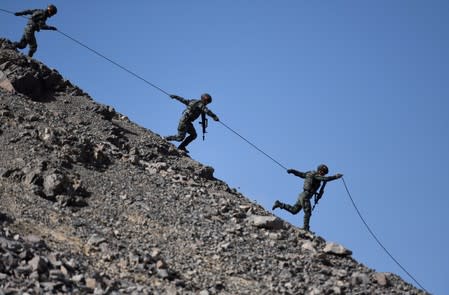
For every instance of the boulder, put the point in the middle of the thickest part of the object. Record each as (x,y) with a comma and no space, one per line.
(268,222)
(334,248)
(5,83)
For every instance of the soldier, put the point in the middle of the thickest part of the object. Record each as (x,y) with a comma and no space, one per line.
(312,183)
(36,23)
(194,109)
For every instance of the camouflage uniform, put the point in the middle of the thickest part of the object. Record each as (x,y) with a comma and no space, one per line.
(194,109)
(312,183)
(36,23)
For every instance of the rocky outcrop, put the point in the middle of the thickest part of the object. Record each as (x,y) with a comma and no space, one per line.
(30,77)
(93,203)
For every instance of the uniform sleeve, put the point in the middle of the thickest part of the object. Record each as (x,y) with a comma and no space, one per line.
(325,178)
(183,100)
(46,27)
(298,173)
(210,113)
(26,12)
(38,15)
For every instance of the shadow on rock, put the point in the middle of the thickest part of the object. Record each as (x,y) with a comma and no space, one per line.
(5,218)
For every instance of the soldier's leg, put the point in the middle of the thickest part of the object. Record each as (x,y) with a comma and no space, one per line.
(181,133)
(192,135)
(305,201)
(292,209)
(33,45)
(22,43)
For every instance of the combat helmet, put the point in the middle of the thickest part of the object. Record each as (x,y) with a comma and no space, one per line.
(52,9)
(323,168)
(207,97)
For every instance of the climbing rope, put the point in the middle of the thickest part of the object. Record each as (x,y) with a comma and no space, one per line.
(113,62)
(253,145)
(7,11)
(243,138)
(375,237)
(163,91)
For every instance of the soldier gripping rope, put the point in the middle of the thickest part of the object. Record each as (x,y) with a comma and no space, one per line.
(195,108)
(35,24)
(312,182)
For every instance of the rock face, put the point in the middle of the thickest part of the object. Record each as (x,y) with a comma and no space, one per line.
(93,203)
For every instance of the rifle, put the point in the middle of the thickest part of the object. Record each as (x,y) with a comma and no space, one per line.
(319,195)
(203,123)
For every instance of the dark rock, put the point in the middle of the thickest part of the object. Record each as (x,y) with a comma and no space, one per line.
(206,172)
(359,279)
(106,112)
(38,264)
(55,183)
(57,275)
(23,270)
(34,177)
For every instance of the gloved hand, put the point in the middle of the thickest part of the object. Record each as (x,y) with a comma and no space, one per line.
(338,175)
(216,119)
(18,13)
(290,171)
(52,28)
(173,96)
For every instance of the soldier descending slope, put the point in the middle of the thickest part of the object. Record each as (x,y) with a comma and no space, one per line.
(312,183)
(36,23)
(195,108)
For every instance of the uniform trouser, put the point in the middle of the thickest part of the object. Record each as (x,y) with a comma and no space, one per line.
(28,38)
(303,202)
(183,129)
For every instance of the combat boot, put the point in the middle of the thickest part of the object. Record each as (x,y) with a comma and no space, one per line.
(277,204)
(183,148)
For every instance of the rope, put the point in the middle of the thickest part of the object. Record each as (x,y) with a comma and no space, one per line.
(375,237)
(7,11)
(113,62)
(253,145)
(163,91)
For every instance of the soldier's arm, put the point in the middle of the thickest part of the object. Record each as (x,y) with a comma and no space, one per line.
(328,178)
(181,99)
(26,12)
(211,114)
(297,173)
(46,27)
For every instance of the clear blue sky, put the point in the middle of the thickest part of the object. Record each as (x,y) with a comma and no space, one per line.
(359,85)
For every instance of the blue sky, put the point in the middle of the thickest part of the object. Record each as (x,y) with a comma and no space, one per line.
(359,85)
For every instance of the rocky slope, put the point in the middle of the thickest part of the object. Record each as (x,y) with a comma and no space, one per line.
(93,203)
